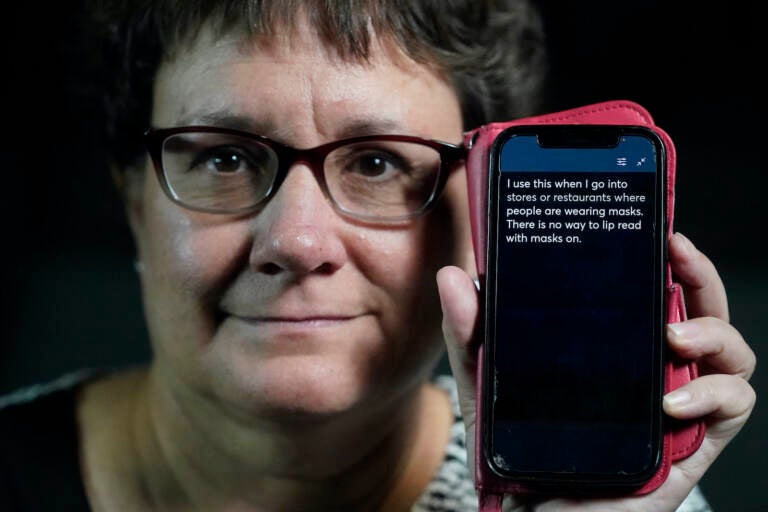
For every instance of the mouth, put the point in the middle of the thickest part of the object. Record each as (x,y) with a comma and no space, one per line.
(268,330)
(313,321)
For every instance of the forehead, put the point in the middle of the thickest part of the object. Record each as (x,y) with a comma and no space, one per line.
(292,87)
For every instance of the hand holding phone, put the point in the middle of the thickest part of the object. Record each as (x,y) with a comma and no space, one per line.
(681,437)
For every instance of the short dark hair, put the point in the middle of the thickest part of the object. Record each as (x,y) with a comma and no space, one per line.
(492,51)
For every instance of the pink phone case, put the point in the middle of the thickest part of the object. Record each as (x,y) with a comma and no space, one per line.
(680,438)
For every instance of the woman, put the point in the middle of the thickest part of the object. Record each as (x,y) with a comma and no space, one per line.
(290,295)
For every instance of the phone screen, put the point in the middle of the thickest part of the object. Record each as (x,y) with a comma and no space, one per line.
(575,307)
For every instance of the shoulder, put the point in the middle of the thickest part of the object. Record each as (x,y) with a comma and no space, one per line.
(29,411)
(27,396)
(39,445)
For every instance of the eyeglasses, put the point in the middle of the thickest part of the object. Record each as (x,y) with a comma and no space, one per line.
(376,178)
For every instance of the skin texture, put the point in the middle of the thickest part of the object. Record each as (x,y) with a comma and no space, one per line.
(296,307)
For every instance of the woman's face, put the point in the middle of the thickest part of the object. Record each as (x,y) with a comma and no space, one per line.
(295,309)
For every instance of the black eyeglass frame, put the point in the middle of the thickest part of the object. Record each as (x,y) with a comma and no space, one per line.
(287,157)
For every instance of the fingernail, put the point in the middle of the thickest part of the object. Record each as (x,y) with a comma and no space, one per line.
(677,398)
(678,329)
(687,244)
(682,331)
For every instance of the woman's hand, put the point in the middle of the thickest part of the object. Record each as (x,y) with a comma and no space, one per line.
(721,394)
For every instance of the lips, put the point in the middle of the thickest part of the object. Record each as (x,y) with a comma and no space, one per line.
(317,328)
(321,320)
(290,322)
(304,308)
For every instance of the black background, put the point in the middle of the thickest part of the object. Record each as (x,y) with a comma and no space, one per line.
(70,296)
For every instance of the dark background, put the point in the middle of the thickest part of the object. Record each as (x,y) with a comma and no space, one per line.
(69,293)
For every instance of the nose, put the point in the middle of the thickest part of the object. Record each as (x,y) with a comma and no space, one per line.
(297,232)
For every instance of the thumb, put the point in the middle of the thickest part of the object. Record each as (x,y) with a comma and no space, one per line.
(459,301)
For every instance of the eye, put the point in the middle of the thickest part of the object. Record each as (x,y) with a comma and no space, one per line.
(377,164)
(229,160)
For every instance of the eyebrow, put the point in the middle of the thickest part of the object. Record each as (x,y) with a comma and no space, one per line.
(371,126)
(227,119)
(367,125)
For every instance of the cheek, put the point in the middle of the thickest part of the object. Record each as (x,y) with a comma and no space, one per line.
(396,262)
(199,258)
(441,237)
(193,250)
(404,262)
(401,267)
(188,261)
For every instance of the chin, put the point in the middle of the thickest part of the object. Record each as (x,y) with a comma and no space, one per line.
(295,386)
(327,371)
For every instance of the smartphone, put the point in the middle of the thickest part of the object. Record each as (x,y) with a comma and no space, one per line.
(575,306)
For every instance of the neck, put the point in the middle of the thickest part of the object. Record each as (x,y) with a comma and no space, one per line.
(198,455)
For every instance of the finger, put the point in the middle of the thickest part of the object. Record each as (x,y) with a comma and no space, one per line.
(703,289)
(727,400)
(717,345)
(458,297)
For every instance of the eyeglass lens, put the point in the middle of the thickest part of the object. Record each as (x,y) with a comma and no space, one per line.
(228,172)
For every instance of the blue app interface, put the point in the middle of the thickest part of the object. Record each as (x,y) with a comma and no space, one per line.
(576,308)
